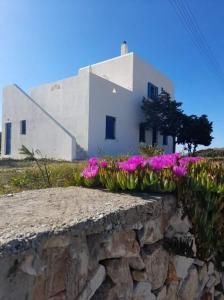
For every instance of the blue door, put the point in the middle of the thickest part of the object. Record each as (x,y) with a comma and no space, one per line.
(8,133)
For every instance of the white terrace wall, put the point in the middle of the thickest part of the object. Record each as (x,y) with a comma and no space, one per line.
(68,102)
(56,115)
(43,131)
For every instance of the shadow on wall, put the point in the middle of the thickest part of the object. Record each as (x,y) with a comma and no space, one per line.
(79,152)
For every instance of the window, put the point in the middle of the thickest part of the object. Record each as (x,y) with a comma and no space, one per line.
(8,133)
(152,91)
(110,128)
(165,140)
(23,127)
(141,133)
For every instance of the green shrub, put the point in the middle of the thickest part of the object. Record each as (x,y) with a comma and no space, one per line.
(212,152)
(149,150)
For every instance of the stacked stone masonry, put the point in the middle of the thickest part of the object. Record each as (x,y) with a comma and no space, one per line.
(85,244)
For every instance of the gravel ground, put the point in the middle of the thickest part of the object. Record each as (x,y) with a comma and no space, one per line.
(31,214)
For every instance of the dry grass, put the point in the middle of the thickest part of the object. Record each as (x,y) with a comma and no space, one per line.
(18,175)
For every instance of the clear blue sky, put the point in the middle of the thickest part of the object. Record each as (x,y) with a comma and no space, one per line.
(46,40)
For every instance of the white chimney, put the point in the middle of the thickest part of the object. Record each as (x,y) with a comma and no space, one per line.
(124,48)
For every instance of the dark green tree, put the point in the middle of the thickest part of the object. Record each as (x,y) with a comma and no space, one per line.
(164,115)
(195,131)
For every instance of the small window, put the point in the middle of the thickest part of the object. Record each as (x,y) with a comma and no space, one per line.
(110,128)
(141,133)
(8,135)
(152,91)
(165,140)
(23,127)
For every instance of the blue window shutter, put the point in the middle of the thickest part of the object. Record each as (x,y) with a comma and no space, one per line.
(8,133)
(23,127)
(110,128)
(153,91)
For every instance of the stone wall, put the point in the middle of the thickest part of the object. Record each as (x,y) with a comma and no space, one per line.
(117,254)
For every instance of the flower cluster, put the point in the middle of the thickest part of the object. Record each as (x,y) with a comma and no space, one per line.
(175,162)
(164,161)
(132,163)
(90,171)
(93,166)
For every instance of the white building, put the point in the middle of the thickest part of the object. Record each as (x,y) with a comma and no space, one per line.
(97,112)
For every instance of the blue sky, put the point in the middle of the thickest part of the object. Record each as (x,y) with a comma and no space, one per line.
(47,40)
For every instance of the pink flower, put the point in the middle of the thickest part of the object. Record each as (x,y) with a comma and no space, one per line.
(92,161)
(145,163)
(127,166)
(180,171)
(103,163)
(163,161)
(90,172)
(184,161)
(137,159)
(131,164)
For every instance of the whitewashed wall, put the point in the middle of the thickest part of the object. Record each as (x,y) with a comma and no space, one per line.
(118,70)
(68,102)
(125,105)
(119,105)
(43,132)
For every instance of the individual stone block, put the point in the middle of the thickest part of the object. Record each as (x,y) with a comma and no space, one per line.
(182,265)
(156,267)
(93,284)
(189,287)
(115,244)
(172,274)
(142,291)
(151,232)
(119,272)
(67,268)
(136,263)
